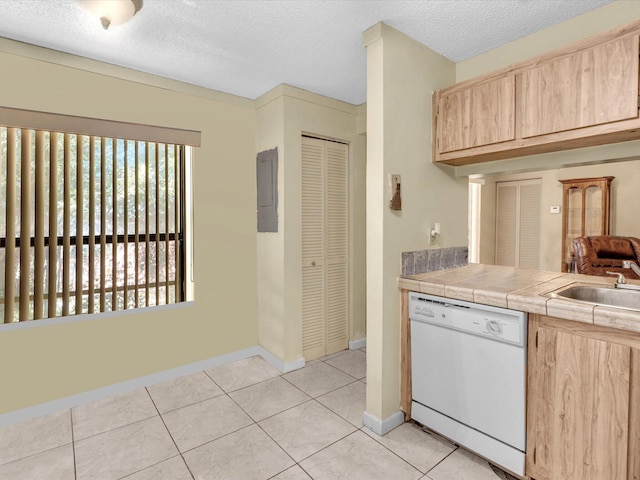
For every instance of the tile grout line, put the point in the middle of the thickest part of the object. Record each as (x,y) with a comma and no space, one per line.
(73,446)
(226,434)
(150,466)
(327,446)
(281,375)
(42,451)
(114,429)
(170,436)
(264,381)
(311,398)
(303,469)
(266,433)
(280,447)
(324,393)
(35,454)
(404,459)
(308,456)
(271,416)
(452,452)
(316,399)
(241,388)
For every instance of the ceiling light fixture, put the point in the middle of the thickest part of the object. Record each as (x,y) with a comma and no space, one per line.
(112,12)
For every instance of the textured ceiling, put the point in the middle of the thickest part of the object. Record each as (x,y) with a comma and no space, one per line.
(247,47)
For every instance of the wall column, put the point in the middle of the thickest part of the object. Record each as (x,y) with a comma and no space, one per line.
(401,77)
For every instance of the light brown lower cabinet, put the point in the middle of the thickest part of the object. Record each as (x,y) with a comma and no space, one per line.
(583,402)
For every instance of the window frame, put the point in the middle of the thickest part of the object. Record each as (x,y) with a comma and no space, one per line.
(89,127)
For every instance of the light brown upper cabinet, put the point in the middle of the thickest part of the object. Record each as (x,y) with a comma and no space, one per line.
(590,87)
(479,115)
(579,96)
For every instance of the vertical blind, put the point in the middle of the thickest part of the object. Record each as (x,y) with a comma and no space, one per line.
(88,223)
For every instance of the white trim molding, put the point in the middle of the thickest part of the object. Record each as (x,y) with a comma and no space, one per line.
(284,367)
(141,382)
(383,426)
(356,344)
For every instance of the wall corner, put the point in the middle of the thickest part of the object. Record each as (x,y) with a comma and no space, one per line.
(372,34)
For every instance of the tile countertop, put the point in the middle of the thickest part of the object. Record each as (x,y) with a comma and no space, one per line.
(521,289)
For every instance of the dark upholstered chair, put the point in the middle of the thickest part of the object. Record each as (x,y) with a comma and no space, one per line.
(600,254)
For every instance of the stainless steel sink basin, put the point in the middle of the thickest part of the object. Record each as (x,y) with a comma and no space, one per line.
(600,295)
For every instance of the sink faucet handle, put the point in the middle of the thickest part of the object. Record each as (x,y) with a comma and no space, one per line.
(632,265)
(621,280)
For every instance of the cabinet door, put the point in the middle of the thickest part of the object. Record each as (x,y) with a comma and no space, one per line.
(478,115)
(589,87)
(578,407)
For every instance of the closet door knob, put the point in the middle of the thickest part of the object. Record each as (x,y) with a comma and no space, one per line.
(313,264)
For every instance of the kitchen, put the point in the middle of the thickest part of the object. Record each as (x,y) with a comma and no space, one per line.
(426,189)
(402,77)
(484,285)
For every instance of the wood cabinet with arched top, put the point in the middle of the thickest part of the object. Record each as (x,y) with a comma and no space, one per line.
(586,204)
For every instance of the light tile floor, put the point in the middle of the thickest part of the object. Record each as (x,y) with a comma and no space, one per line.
(240,421)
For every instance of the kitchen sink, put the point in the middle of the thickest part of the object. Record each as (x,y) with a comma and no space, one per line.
(599,295)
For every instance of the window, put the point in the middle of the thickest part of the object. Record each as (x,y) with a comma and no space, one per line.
(88,223)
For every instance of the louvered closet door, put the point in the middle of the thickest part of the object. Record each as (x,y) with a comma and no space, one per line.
(506,223)
(529,222)
(518,223)
(337,248)
(325,289)
(313,246)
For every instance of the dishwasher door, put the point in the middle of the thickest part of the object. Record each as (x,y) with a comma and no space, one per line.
(474,380)
(469,364)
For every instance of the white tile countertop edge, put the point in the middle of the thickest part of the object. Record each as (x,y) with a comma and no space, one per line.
(523,290)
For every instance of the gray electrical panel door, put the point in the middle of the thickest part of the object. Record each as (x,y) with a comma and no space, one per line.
(267,176)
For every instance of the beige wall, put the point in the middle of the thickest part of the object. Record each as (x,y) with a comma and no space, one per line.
(608,17)
(270,245)
(284,114)
(401,77)
(44,363)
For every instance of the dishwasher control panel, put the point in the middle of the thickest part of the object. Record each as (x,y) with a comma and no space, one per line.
(500,324)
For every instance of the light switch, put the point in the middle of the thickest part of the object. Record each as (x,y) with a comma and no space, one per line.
(555,209)
(395,202)
(394,180)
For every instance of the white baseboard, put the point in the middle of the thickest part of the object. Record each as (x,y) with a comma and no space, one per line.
(382,426)
(284,367)
(141,382)
(356,344)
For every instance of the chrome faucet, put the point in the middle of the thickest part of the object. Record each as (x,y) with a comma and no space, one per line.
(632,266)
(621,281)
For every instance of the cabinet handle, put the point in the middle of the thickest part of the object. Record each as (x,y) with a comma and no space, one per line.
(313,264)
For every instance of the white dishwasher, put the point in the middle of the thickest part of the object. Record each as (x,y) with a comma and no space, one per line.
(468,364)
